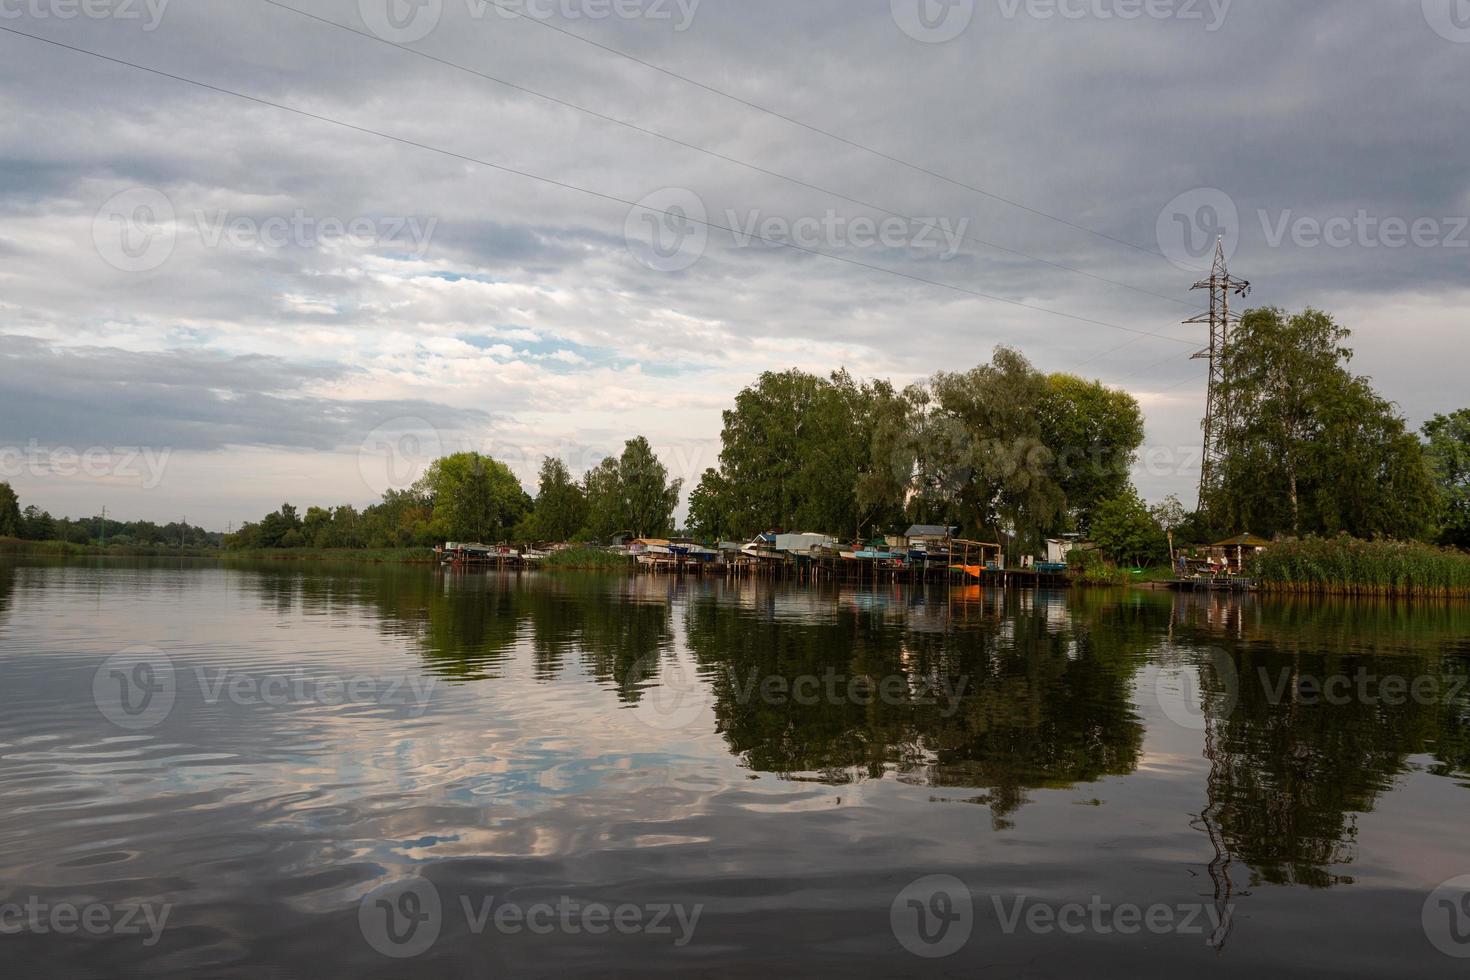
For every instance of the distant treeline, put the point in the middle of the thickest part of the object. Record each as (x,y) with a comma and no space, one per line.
(472,497)
(33,524)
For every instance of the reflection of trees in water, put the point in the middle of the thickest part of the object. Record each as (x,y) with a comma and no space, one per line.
(466,625)
(1042,702)
(7,586)
(1048,693)
(1291,768)
(616,627)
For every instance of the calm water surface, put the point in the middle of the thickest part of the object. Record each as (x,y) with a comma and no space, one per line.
(309,771)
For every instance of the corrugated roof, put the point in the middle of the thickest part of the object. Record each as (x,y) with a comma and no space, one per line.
(930,531)
(1243,541)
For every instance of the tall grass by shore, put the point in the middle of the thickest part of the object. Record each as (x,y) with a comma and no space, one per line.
(1348,566)
(15,547)
(1088,568)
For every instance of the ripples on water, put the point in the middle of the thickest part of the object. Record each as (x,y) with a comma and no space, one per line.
(648,742)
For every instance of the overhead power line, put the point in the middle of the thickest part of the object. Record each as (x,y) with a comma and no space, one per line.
(354,127)
(920,168)
(757,168)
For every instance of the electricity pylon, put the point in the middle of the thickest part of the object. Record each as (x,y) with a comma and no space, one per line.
(1218,418)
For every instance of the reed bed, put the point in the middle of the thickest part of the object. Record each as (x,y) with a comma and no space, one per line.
(1349,566)
(1090,569)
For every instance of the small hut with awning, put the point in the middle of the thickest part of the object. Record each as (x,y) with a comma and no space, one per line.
(1235,552)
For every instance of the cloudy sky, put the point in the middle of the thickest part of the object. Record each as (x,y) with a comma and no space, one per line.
(447,224)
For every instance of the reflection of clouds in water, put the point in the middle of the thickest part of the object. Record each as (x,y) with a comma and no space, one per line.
(535,760)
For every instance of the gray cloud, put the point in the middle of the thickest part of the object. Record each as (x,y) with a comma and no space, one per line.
(186,401)
(1305,110)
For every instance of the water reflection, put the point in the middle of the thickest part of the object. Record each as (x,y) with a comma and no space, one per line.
(846,742)
(995,695)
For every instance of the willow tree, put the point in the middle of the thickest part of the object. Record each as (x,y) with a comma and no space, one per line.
(985,448)
(474,497)
(1094,432)
(800,452)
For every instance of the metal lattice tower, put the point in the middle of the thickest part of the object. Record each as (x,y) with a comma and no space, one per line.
(1217,421)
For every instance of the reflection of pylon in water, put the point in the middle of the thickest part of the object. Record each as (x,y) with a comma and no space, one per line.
(1220,319)
(1219,866)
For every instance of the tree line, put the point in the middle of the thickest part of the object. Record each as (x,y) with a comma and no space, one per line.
(472,497)
(31,523)
(1002,451)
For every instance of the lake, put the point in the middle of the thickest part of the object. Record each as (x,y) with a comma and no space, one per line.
(307,770)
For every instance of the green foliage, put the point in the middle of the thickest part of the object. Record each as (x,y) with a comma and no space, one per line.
(800,452)
(588,559)
(710,515)
(37,525)
(1348,566)
(1094,432)
(1448,452)
(1090,568)
(10,520)
(474,497)
(1313,449)
(646,495)
(985,452)
(1126,532)
(561,506)
(630,494)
